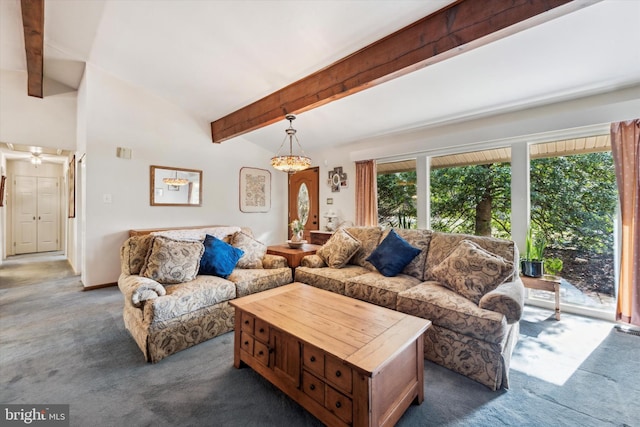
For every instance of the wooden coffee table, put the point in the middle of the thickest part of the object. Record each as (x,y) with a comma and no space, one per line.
(346,361)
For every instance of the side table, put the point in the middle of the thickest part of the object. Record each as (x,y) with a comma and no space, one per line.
(293,256)
(544,284)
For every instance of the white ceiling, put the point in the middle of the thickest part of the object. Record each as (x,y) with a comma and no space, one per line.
(212,57)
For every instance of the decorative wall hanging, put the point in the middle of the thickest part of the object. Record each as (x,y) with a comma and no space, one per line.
(255,190)
(337,179)
(71,181)
(2,180)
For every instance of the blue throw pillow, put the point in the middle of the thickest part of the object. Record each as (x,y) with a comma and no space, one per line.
(219,258)
(392,255)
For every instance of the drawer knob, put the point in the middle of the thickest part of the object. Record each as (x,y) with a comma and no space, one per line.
(313,358)
(338,405)
(261,330)
(312,387)
(246,322)
(246,343)
(338,374)
(260,353)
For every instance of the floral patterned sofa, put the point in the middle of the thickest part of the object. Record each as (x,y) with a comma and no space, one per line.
(168,306)
(468,286)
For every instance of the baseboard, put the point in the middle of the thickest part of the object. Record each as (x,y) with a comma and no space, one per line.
(631,330)
(104,285)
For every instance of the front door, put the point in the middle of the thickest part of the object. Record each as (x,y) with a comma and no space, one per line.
(304,188)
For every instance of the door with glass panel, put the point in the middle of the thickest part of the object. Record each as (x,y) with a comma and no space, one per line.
(304,200)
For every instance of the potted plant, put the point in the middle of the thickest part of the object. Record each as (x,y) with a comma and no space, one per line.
(553,266)
(532,264)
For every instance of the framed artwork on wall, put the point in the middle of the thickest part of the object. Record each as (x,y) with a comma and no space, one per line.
(337,180)
(2,181)
(255,190)
(71,180)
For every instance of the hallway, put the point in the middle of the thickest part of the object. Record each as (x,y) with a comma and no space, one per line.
(31,269)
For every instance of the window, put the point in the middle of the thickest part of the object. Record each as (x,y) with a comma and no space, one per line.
(573,204)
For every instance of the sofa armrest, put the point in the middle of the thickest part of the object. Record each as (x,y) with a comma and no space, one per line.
(312,261)
(274,261)
(508,299)
(137,289)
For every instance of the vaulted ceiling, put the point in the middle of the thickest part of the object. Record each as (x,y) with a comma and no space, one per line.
(214,57)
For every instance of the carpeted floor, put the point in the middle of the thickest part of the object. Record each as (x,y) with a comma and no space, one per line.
(61,345)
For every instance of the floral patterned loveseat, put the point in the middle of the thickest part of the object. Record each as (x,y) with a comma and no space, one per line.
(168,305)
(468,286)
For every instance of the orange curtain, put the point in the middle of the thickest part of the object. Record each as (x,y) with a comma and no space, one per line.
(625,147)
(366,193)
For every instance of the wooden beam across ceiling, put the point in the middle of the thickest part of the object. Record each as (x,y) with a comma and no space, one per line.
(432,39)
(33,24)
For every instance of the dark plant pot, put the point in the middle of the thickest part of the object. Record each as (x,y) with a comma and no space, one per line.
(532,268)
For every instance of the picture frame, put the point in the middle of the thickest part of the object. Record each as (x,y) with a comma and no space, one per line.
(71,180)
(255,190)
(2,183)
(337,180)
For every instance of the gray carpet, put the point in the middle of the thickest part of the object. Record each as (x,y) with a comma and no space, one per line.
(61,345)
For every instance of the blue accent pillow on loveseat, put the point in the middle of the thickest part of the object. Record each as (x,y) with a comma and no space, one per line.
(219,258)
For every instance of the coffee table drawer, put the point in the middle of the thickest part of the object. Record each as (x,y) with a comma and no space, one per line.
(313,387)
(247,322)
(338,404)
(313,360)
(261,330)
(261,352)
(246,342)
(338,373)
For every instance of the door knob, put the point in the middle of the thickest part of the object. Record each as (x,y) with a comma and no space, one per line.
(34,218)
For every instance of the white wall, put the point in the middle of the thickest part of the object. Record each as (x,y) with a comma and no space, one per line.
(158,133)
(46,122)
(622,104)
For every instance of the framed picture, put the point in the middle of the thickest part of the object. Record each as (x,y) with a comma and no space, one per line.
(2,181)
(72,187)
(337,179)
(255,190)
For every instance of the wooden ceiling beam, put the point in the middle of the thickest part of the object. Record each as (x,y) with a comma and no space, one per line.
(434,38)
(33,24)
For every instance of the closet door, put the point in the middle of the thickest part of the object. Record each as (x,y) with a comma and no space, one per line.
(48,214)
(37,214)
(26,214)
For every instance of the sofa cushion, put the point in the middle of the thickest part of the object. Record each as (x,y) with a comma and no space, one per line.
(448,309)
(339,249)
(133,254)
(172,261)
(254,250)
(472,271)
(219,258)
(250,281)
(392,255)
(330,279)
(417,238)
(378,289)
(200,293)
(369,238)
(222,232)
(442,244)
